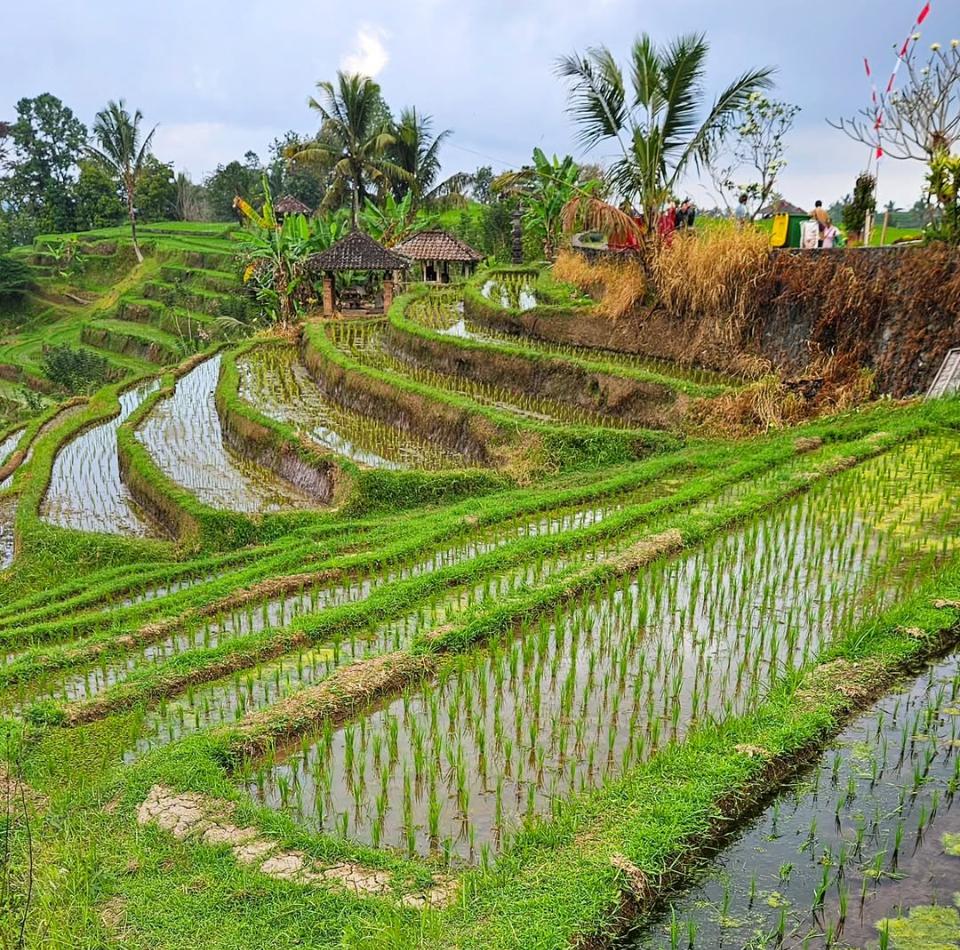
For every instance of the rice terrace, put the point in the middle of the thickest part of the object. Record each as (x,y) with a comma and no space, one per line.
(398,552)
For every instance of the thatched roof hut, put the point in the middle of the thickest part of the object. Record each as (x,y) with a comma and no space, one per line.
(290,205)
(357,251)
(435,250)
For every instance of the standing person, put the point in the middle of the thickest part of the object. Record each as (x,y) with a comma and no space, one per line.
(740,212)
(830,235)
(690,214)
(819,214)
(667,223)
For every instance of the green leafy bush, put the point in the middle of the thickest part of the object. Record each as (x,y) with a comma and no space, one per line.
(75,370)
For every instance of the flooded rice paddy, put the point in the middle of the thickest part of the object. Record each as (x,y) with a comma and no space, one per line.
(366,343)
(575,699)
(862,850)
(184,437)
(274,613)
(225,701)
(8,514)
(86,492)
(511,291)
(8,445)
(273,379)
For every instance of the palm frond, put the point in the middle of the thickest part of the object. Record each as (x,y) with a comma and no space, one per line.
(597,97)
(588,213)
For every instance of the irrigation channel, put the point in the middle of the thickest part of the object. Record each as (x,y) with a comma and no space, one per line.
(86,491)
(870,830)
(274,613)
(507,733)
(274,380)
(184,437)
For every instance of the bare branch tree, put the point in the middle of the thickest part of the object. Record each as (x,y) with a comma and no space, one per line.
(919,120)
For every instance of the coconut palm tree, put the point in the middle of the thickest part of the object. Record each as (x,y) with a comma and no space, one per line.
(353,140)
(658,126)
(122,153)
(417,151)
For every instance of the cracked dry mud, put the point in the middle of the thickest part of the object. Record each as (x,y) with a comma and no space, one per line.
(190,815)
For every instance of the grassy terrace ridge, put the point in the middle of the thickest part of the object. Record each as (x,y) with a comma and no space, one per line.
(400,319)
(580,878)
(519,446)
(692,526)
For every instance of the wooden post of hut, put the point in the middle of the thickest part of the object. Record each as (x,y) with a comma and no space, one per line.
(387,291)
(328,308)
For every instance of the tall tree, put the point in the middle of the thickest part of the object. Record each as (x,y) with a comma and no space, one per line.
(98,199)
(45,145)
(301,180)
(353,141)
(658,128)
(231,181)
(157,191)
(123,153)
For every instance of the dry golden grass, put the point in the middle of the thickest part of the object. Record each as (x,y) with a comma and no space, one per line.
(713,274)
(618,286)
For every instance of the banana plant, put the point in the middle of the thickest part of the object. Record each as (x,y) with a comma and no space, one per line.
(392,221)
(544,189)
(274,254)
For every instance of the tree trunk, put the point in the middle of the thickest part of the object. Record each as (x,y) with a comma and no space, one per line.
(133,224)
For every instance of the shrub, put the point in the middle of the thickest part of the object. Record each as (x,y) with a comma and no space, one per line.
(618,286)
(75,370)
(14,277)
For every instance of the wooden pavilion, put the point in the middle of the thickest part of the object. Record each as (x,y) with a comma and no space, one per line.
(435,251)
(357,252)
(290,205)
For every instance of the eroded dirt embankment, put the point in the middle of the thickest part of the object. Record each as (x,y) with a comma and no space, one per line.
(892,310)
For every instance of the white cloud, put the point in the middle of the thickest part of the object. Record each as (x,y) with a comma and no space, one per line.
(369,55)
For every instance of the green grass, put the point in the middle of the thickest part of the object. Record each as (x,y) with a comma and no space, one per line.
(595,504)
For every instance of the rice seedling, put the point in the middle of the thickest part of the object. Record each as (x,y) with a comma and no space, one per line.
(718,626)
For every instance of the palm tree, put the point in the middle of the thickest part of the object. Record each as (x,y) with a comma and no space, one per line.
(122,154)
(417,152)
(353,140)
(657,127)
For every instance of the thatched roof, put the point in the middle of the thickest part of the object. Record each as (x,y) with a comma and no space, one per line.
(290,205)
(780,207)
(437,245)
(357,251)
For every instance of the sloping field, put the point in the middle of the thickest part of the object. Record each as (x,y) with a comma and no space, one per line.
(407,633)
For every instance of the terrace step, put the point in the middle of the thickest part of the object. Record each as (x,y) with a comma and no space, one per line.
(175,321)
(197,299)
(134,339)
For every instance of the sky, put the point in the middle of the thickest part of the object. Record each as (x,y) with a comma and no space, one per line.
(219,78)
